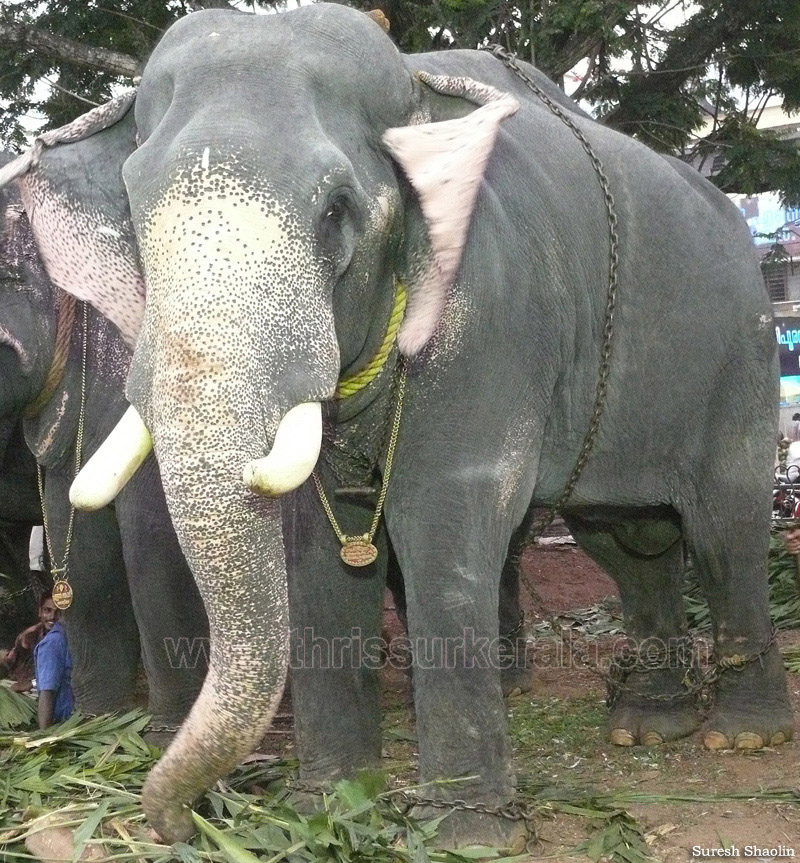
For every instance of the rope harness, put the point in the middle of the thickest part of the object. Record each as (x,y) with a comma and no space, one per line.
(64,327)
(355,383)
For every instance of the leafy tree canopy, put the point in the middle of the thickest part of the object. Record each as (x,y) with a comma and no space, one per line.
(656,71)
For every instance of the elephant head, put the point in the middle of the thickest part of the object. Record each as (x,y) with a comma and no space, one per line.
(281,175)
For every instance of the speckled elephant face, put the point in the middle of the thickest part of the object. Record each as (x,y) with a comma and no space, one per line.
(223,253)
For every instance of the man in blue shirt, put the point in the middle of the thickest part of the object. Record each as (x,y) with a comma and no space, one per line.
(53,676)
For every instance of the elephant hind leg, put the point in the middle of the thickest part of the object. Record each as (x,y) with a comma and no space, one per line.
(751,706)
(645,557)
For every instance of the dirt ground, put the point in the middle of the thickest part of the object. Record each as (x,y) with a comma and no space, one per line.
(560,746)
(565,578)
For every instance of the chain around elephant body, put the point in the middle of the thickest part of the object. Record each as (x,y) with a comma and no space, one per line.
(510,60)
(63,598)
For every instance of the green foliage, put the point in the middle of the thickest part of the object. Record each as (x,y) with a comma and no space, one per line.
(757,161)
(87,775)
(784,596)
(620,838)
(655,71)
(16,711)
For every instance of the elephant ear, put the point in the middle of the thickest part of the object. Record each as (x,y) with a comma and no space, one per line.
(445,162)
(72,190)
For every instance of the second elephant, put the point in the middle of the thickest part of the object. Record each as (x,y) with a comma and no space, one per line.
(135,599)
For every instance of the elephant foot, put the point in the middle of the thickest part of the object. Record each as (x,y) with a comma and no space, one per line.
(308,802)
(160,738)
(751,707)
(515,676)
(650,715)
(463,829)
(515,681)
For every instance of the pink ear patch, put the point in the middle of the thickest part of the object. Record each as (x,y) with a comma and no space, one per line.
(445,163)
(86,256)
(85,240)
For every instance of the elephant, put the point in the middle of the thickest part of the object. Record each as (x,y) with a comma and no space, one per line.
(19,513)
(434,271)
(134,596)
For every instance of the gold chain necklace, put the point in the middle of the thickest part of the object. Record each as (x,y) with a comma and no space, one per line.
(62,589)
(360,550)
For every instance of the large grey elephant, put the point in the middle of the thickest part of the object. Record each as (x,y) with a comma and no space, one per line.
(134,596)
(280,185)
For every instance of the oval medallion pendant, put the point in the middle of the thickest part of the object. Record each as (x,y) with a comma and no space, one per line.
(358,552)
(62,594)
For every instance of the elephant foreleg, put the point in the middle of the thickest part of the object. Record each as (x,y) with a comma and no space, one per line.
(336,650)
(515,675)
(451,553)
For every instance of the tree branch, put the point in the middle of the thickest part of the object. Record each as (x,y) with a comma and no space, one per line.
(64,49)
(581,44)
(690,50)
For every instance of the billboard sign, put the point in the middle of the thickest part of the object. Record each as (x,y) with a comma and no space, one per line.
(787,334)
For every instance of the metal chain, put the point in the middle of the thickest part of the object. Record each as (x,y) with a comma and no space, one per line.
(510,60)
(632,662)
(166,729)
(510,811)
(353,462)
(369,536)
(62,570)
(697,684)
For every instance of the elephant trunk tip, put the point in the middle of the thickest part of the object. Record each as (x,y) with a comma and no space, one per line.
(172,821)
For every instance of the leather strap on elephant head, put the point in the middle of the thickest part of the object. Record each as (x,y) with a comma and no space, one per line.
(379,17)
(64,327)
(355,383)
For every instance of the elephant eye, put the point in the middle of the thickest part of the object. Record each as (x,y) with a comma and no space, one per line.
(334,224)
(335,210)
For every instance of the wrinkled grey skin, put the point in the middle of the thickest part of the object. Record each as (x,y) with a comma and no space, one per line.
(125,565)
(261,294)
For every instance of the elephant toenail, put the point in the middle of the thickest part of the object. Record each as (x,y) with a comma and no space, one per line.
(777,739)
(514,692)
(717,740)
(652,738)
(748,740)
(622,737)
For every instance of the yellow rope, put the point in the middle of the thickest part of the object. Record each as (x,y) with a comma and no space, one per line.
(350,386)
(64,327)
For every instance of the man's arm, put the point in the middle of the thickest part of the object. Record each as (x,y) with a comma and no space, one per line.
(47,706)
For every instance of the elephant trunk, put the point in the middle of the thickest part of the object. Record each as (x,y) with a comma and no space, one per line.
(236,347)
(234,545)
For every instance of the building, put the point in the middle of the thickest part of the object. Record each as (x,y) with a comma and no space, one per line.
(776,234)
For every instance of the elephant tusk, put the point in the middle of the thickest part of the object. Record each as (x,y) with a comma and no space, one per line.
(102,478)
(293,455)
